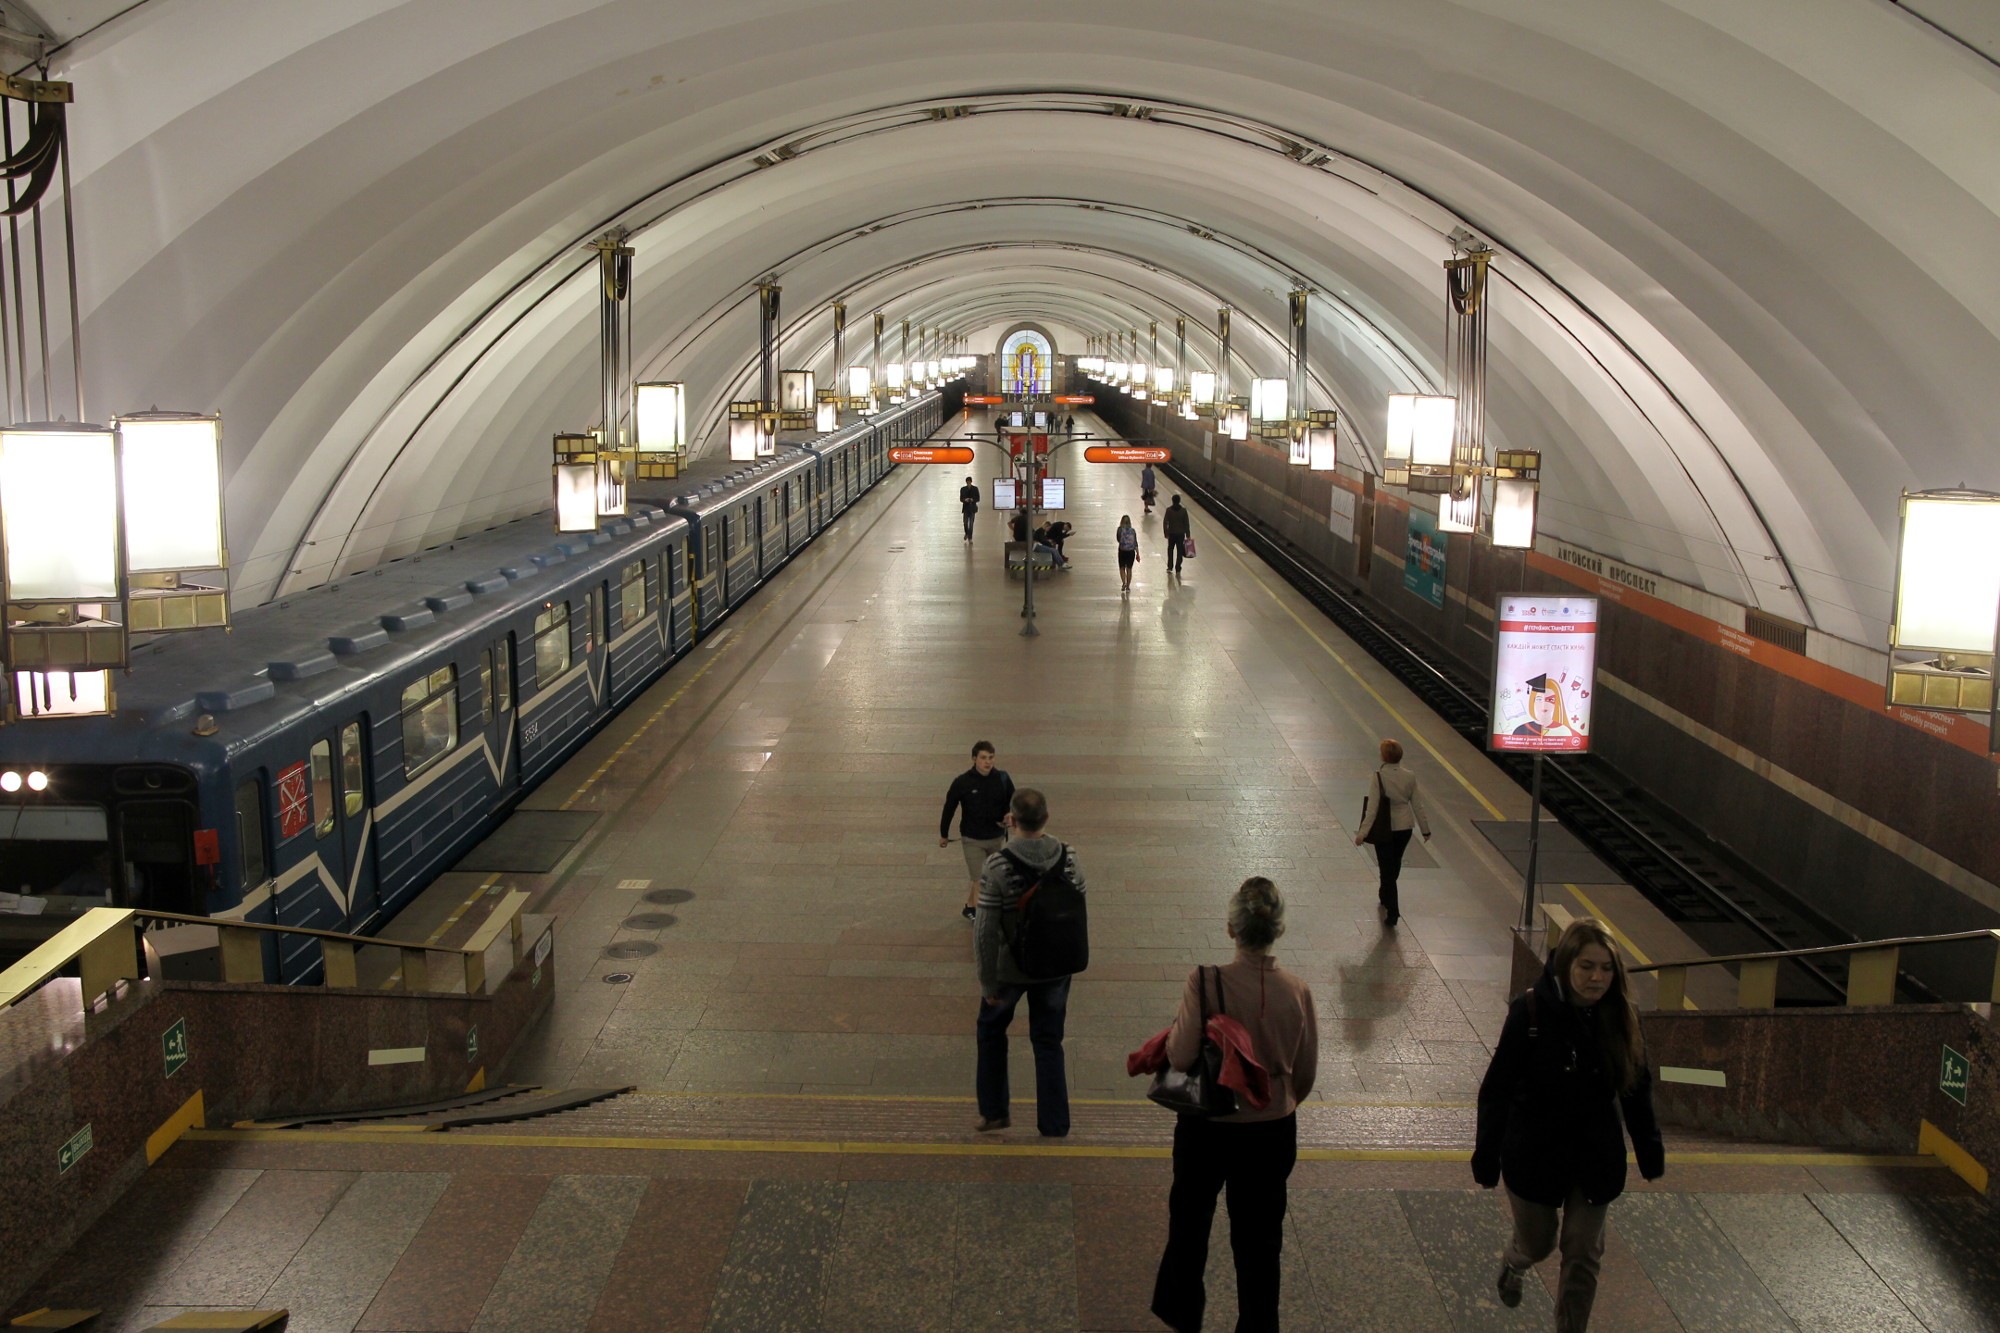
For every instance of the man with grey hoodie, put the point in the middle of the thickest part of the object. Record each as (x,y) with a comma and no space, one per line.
(1030,854)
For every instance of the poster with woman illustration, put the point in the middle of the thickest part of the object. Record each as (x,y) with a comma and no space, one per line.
(1544,664)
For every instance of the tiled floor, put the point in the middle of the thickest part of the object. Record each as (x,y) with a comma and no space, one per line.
(800,1021)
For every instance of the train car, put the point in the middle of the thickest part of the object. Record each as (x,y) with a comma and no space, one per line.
(323,760)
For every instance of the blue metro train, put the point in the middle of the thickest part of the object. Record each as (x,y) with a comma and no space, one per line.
(325,759)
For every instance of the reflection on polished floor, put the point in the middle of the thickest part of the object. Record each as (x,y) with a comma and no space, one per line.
(760,932)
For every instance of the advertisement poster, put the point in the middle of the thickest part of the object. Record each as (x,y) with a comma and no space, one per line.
(1544,660)
(1340,519)
(1423,558)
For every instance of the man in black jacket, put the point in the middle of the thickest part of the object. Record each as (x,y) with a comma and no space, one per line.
(982,792)
(1175,528)
(968,504)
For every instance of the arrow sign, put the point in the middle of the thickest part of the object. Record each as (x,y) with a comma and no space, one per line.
(1075,399)
(1128,453)
(928,454)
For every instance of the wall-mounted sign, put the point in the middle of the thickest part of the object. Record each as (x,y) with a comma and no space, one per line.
(73,1150)
(1953,1075)
(1075,399)
(930,454)
(1544,673)
(174,1046)
(1423,558)
(1006,493)
(1052,492)
(1340,515)
(1127,453)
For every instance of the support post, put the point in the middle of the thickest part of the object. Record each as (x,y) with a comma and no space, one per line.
(1534,843)
(1222,361)
(614,270)
(767,344)
(839,348)
(1028,479)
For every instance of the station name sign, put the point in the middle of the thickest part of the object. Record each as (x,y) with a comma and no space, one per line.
(1075,399)
(1128,453)
(984,399)
(930,454)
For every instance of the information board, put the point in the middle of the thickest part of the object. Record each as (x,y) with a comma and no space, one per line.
(1052,492)
(1006,493)
(1544,673)
(1423,558)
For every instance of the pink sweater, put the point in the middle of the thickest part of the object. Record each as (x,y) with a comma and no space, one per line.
(1276,1008)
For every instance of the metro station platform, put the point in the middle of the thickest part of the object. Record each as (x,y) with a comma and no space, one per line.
(759,934)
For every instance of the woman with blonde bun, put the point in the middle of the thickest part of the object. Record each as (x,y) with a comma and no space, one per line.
(1252,1150)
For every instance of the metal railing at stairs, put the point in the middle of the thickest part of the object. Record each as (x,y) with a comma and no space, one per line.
(104,947)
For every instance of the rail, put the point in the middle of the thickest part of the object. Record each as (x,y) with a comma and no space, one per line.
(1871,970)
(104,945)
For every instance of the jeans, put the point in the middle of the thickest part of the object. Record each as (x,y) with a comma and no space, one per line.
(970,514)
(1582,1241)
(1176,552)
(1048,1006)
(1389,859)
(1253,1160)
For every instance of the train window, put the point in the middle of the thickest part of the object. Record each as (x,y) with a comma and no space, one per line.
(430,719)
(350,769)
(551,644)
(503,662)
(251,860)
(321,756)
(485,685)
(632,595)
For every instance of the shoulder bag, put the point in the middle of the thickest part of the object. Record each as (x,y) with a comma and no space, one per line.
(1198,1091)
(1378,827)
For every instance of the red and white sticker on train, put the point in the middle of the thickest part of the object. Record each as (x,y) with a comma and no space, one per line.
(294,801)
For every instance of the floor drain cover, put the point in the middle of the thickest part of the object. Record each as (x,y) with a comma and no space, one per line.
(616,978)
(667,896)
(649,921)
(631,949)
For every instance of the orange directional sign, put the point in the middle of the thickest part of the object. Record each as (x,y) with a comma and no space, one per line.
(985,399)
(1128,453)
(930,454)
(1076,399)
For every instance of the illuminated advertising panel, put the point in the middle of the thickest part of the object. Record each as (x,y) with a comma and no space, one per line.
(1544,673)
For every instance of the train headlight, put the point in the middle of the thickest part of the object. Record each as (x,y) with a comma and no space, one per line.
(10,781)
(38,780)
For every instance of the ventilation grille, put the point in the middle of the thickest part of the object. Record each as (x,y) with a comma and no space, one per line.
(1787,634)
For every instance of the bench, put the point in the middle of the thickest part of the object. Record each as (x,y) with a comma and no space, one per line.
(1016,554)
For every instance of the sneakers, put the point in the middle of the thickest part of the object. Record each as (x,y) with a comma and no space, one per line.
(968,912)
(986,1126)
(1510,1285)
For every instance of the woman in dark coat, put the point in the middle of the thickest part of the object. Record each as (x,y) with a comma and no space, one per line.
(1567,1083)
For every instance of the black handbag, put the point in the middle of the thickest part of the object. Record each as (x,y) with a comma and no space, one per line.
(1199,1090)
(1378,827)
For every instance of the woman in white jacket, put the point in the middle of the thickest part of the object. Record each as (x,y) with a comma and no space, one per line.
(1398,786)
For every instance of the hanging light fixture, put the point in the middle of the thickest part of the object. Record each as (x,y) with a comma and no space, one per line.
(1946,614)
(1201,388)
(1235,420)
(1268,402)
(661,412)
(576,482)
(1322,431)
(170,468)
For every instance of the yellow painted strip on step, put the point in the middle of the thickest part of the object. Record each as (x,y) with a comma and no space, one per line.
(1940,1145)
(463,908)
(1402,721)
(192,1115)
(478,1083)
(1003,1148)
(1624,940)
(890,1098)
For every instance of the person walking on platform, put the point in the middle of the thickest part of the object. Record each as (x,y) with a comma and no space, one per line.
(968,504)
(1566,1084)
(982,792)
(1128,553)
(1149,487)
(1032,861)
(1250,1151)
(1395,787)
(1174,526)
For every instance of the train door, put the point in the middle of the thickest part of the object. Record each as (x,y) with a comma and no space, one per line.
(336,835)
(496,710)
(597,639)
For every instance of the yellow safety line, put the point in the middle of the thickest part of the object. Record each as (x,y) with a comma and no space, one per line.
(1624,940)
(890,1097)
(463,908)
(838,1147)
(1406,724)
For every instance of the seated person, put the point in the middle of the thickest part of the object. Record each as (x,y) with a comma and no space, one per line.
(1055,534)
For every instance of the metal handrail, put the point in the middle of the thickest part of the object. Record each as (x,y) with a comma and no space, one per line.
(1871,975)
(107,951)
(1859,946)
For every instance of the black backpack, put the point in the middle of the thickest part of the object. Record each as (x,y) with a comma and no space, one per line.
(1052,929)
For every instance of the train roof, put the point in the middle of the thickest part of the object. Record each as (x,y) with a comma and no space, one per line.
(306,651)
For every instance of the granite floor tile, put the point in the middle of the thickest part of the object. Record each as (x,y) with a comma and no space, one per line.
(336,1273)
(447,1270)
(895,1257)
(141,1240)
(1016,1259)
(665,1274)
(557,1271)
(1361,1260)
(774,1278)
(243,1254)
(1460,1234)
(1806,1263)
(1120,1233)
(1937,1255)
(1700,1275)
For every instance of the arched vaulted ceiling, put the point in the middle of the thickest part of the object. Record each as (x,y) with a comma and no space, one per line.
(1744,291)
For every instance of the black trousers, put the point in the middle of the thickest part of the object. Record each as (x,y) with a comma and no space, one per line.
(1253,1160)
(1389,859)
(1176,552)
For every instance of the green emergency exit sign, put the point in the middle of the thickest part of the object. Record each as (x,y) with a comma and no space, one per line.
(1954,1072)
(72,1152)
(174,1046)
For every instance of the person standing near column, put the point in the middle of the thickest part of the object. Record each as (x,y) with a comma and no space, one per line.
(1174,526)
(982,792)
(968,504)
(1398,787)
(1567,1083)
